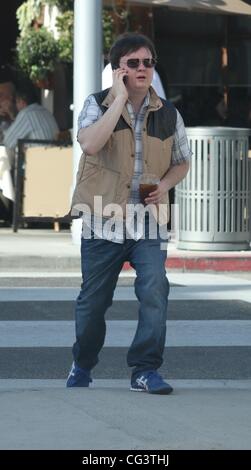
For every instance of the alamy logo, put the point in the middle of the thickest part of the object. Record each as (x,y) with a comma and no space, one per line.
(137,221)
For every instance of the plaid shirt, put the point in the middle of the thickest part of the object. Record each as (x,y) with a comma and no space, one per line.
(137,123)
(91,112)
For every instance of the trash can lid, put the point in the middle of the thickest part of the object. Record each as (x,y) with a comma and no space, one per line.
(218,131)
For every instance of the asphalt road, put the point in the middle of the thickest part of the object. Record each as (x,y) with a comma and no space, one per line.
(207,338)
(207,359)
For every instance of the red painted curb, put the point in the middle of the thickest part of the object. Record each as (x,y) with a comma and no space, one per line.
(205,264)
(212,264)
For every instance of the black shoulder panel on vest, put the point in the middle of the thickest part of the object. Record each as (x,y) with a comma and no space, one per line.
(162,123)
(99,97)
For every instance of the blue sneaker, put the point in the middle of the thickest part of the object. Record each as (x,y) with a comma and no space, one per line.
(78,377)
(150,381)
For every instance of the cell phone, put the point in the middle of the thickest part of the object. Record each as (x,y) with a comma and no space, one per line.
(124,78)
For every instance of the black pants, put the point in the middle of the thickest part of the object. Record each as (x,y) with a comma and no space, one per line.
(6,208)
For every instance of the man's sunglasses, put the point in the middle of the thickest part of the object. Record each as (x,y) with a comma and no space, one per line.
(134,63)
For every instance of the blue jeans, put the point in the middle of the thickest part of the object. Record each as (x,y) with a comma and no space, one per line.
(102,262)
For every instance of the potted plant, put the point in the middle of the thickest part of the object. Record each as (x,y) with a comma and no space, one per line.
(62,5)
(29,13)
(37,55)
(64,25)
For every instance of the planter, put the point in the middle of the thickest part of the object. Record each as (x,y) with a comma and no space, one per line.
(47,83)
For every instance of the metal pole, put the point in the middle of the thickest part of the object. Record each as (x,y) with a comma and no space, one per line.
(87,72)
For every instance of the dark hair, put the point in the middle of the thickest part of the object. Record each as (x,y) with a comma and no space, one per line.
(27,92)
(129,42)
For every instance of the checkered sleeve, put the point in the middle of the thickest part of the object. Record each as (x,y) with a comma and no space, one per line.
(180,149)
(90,113)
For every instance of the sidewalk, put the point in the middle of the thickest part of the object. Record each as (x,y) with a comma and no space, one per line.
(46,250)
(46,415)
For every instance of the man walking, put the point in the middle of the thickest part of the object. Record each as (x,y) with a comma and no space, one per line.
(125,131)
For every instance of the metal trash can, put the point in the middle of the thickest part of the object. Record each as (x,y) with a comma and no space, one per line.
(214,198)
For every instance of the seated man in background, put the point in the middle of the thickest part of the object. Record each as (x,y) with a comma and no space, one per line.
(33,121)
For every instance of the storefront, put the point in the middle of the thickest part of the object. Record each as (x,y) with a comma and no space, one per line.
(204,56)
(206,65)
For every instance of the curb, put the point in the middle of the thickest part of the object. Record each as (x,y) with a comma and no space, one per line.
(184,263)
(215,263)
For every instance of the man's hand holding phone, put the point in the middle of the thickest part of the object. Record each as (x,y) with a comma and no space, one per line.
(119,76)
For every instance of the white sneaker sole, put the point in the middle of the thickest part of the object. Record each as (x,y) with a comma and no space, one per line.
(138,390)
